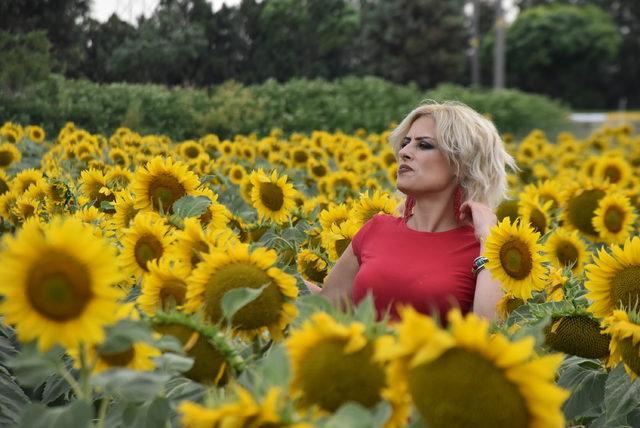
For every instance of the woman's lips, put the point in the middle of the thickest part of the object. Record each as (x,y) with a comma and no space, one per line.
(404,168)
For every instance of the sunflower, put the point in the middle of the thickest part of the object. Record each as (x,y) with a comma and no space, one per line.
(338,238)
(299,157)
(577,334)
(93,185)
(136,356)
(245,412)
(469,378)
(7,203)
(5,182)
(334,214)
(119,157)
(514,258)
(536,213)
(548,190)
(368,206)
(272,196)
(311,266)
(164,286)
(613,169)
(581,203)
(26,208)
(343,184)
(125,210)
(237,174)
(215,360)
(613,279)
(118,178)
(191,243)
(9,154)
(35,133)
(508,304)
(25,178)
(222,271)
(190,149)
(317,169)
(57,289)
(565,248)
(624,328)
(508,209)
(146,239)
(217,215)
(162,182)
(333,364)
(614,218)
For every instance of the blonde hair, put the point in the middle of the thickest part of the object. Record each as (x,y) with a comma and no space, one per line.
(472,146)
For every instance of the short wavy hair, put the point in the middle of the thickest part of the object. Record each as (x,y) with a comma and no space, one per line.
(472,146)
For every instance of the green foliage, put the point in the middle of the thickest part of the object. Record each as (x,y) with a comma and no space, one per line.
(574,64)
(511,110)
(24,60)
(296,106)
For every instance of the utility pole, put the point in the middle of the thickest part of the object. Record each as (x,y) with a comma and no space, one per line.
(499,48)
(475,45)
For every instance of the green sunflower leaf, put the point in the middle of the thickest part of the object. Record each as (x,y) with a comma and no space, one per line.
(77,414)
(621,396)
(190,206)
(586,380)
(351,415)
(236,299)
(131,385)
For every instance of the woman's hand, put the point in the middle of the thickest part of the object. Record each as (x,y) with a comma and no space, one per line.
(481,216)
(313,287)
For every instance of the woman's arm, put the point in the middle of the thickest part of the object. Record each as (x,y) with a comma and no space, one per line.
(488,293)
(339,282)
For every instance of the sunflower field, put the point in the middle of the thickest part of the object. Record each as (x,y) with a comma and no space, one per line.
(146,282)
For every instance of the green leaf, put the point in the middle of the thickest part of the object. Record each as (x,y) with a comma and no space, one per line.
(191,206)
(12,399)
(54,387)
(32,368)
(236,299)
(173,363)
(123,334)
(366,311)
(351,415)
(78,414)
(147,415)
(180,388)
(275,367)
(586,381)
(131,385)
(621,396)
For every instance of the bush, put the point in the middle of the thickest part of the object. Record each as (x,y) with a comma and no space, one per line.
(231,108)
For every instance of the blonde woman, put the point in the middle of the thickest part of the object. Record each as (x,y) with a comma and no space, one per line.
(452,168)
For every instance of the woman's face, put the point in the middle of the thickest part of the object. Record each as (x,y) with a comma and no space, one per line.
(422,167)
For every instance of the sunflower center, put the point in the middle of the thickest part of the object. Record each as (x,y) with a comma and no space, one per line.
(547,198)
(118,359)
(3,187)
(148,247)
(509,209)
(198,248)
(580,210)
(538,221)
(625,287)
(329,377)
(237,174)
(172,292)
(192,152)
(567,253)
(463,389)
(165,190)
(630,355)
(59,287)
(341,245)
(300,156)
(208,362)
(613,219)
(118,159)
(612,173)
(313,271)
(262,312)
(516,259)
(271,196)
(577,335)
(6,157)
(319,170)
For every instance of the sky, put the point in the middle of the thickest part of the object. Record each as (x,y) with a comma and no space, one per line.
(129,10)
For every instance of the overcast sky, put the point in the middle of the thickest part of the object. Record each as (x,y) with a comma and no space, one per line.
(129,10)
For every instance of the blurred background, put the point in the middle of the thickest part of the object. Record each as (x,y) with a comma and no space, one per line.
(188,67)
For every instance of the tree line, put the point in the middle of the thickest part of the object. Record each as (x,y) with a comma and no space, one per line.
(583,52)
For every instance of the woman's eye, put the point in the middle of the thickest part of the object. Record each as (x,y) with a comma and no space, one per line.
(425,146)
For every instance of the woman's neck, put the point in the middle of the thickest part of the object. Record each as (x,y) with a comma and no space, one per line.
(433,213)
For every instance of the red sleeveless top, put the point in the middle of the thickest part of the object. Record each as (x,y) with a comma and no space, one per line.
(430,271)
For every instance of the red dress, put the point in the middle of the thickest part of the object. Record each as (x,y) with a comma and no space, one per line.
(430,271)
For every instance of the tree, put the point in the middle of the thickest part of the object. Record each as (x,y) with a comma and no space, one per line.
(564,51)
(63,21)
(102,40)
(424,41)
(24,60)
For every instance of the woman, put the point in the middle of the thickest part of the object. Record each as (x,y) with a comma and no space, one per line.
(451,166)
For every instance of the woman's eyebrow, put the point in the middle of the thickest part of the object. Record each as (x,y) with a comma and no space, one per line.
(425,137)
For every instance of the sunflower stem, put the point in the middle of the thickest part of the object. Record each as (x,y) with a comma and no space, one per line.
(84,372)
(102,411)
(73,383)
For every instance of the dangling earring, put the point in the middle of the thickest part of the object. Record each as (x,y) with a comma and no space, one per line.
(408,207)
(457,201)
